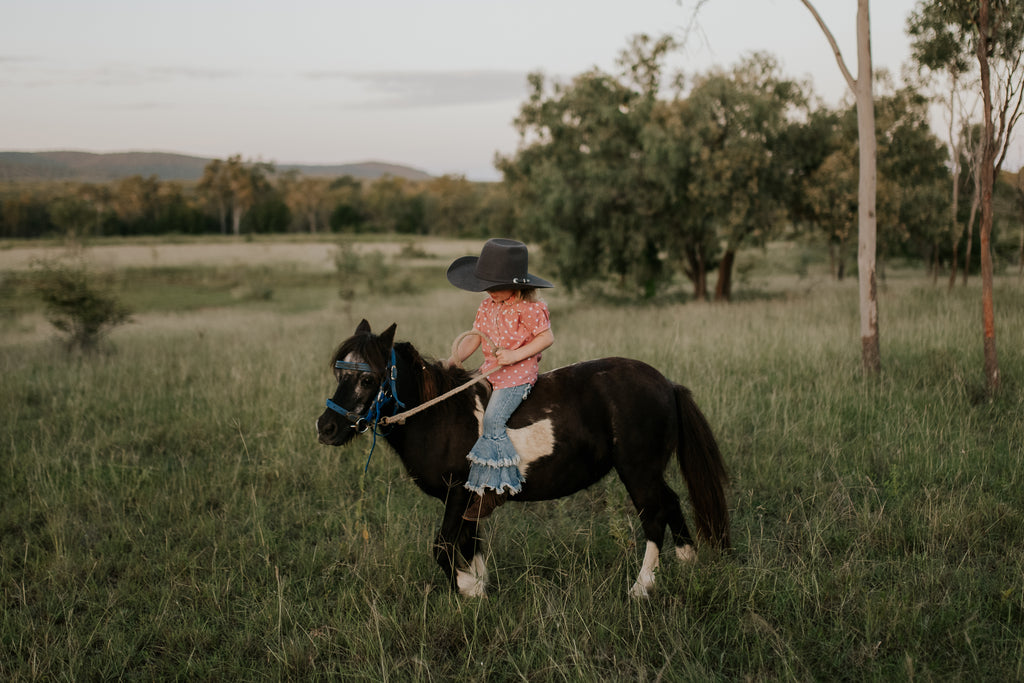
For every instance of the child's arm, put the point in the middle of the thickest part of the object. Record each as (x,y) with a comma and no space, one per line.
(535,346)
(466,349)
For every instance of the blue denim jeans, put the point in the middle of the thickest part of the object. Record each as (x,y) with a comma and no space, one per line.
(494,462)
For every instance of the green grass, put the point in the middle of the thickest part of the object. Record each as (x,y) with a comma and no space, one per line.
(167,512)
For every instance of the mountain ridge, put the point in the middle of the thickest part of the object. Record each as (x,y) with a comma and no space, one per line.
(104,167)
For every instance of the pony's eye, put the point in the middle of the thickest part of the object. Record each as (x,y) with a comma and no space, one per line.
(366,381)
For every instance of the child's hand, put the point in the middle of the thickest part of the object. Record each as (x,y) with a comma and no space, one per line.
(506,357)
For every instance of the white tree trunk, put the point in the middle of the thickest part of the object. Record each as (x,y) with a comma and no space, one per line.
(867,189)
(871,357)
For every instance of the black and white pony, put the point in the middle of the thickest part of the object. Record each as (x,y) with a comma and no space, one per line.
(579,423)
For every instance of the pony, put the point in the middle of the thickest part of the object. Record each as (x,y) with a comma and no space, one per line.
(579,423)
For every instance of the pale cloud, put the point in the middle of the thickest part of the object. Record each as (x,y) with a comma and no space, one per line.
(31,72)
(410,89)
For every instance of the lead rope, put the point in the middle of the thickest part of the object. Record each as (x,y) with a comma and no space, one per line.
(401,417)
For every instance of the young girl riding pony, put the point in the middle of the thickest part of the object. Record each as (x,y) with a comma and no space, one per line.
(520,325)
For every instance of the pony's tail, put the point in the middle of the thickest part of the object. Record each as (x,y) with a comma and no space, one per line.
(703,469)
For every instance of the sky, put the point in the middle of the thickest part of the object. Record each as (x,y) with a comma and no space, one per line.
(432,84)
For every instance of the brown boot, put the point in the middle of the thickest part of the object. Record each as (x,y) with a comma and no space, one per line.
(483,505)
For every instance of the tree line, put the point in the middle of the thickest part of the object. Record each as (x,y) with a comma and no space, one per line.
(630,177)
(237,197)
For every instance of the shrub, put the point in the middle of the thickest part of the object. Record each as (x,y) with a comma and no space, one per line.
(78,304)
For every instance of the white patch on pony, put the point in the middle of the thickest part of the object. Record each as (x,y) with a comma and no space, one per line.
(472,580)
(686,554)
(645,582)
(532,442)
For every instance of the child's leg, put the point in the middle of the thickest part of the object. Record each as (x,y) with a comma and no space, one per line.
(493,458)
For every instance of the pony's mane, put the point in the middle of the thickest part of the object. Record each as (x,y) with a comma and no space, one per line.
(434,379)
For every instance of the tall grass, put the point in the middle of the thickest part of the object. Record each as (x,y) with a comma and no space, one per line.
(167,512)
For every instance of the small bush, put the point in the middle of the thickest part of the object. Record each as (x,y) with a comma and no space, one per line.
(78,304)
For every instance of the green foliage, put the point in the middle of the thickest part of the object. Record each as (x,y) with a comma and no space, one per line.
(617,183)
(78,304)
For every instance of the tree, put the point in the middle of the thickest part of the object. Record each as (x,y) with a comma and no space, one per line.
(452,205)
(135,202)
(247,182)
(1019,202)
(306,198)
(913,195)
(871,355)
(672,156)
(346,196)
(740,117)
(579,176)
(972,148)
(232,187)
(942,56)
(215,190)
(992,31)
(395,205)
(831,196)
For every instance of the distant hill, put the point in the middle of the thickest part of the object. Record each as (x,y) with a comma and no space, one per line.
(89,167)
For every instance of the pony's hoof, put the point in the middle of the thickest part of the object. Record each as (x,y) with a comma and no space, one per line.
(472,581)
(686,554)
(639,592)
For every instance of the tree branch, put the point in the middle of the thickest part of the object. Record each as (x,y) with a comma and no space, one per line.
(850,80)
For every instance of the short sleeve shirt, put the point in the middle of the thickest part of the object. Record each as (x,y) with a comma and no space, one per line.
(510,325)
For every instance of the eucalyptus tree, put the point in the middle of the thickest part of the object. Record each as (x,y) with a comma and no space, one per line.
(936,53)
(738,121)
(306,198)
(863,91)
(992,32)
(247,183)
(232,187)
(215,190)
(1018,196)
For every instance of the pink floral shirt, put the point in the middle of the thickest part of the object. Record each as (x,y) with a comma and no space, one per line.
(510,325)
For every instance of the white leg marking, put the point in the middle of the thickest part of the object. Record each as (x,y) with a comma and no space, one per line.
(472,580)
(645,582)
(686,554)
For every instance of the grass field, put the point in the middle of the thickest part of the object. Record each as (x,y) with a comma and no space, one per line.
(167,513)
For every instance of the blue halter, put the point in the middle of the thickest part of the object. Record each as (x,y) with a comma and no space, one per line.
(386,400)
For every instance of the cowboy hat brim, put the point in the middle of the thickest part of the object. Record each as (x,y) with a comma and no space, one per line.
(462,274)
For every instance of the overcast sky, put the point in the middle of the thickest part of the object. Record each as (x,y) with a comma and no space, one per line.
(433,84)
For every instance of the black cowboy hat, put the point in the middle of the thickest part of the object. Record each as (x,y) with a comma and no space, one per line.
(502,264)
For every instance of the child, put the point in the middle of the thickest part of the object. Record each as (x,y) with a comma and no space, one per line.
(520,326)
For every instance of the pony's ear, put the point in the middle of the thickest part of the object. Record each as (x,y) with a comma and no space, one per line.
(364,327)
(387,337)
